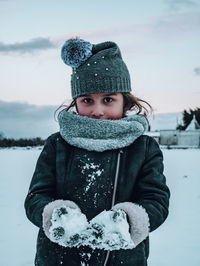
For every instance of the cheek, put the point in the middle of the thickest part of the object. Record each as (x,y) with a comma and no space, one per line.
(83,112)
(81,109)
(116,116)
(117,112)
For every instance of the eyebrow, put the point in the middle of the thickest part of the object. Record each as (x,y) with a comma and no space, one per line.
(110,94)
(107,94)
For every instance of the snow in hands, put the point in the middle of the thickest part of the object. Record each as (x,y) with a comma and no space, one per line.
(67,226)
(109,230)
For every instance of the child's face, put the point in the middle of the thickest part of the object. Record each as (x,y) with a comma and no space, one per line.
(101,106)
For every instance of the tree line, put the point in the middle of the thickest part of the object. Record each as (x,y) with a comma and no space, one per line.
(10,142)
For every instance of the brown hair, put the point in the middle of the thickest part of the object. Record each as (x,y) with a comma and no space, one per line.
(131,103)
(138,105)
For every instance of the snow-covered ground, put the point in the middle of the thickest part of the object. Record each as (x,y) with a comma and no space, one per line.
(176,242)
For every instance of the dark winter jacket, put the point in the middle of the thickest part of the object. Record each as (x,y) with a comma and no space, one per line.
(61,173)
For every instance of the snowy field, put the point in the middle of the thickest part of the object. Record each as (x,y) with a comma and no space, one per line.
(176,242)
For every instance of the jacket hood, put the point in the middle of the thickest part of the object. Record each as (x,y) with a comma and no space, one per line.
(100,135)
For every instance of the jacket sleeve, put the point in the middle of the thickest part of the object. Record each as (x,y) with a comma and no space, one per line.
(42,187)
(152,192)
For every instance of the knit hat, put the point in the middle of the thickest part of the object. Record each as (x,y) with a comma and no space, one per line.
(96,68)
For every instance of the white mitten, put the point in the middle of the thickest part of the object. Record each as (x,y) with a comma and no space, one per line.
(48,212)
(67,226)
(109,230)
(138,220)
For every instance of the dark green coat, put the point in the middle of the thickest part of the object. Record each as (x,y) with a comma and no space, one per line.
(62,173)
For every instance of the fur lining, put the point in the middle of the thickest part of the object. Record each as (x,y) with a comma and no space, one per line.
(48,210)
(100,134)
(138,220)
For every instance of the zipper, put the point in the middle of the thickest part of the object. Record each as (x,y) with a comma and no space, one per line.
(114,193)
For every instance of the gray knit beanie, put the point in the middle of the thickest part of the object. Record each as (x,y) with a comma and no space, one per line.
(96,68)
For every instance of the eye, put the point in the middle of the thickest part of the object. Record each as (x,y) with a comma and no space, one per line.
(87,100)
(107,100)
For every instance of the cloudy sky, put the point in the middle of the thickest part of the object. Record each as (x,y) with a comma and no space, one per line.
(159,40)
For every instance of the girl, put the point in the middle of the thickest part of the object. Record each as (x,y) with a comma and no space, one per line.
(100,160)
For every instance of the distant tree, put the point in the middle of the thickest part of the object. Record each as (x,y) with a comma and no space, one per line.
(197,115)
(2,135)
(187,118)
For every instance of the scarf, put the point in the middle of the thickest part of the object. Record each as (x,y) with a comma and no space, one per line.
(100,135)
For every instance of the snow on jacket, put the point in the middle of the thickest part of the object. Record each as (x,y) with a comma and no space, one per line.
(87,178)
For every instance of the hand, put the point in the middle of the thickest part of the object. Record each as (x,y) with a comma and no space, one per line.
(109,230)
(138,220)
(48,212)
(67,226)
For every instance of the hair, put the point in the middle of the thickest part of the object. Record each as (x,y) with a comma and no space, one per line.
(131,103)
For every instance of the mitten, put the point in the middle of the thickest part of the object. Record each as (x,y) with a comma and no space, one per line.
(138,220)
(109,230)
(48,211)
(67,226)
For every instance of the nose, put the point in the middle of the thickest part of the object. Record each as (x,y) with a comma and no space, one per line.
(97,111)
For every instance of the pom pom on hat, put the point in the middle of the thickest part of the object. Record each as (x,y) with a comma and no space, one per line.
(75,52)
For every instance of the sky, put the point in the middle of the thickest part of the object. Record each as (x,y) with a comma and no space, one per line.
(159,41)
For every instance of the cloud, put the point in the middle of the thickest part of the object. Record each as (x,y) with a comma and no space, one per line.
(177,5)
(25,110)
(158,28)
(31,46)
(197,71)
(177,24)
(20,119)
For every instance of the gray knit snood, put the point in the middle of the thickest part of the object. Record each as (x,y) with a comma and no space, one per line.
(100,135)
